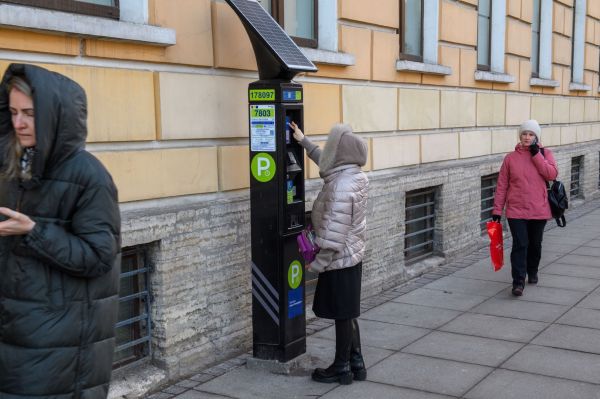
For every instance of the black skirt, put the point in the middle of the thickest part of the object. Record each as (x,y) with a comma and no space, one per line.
(338,293)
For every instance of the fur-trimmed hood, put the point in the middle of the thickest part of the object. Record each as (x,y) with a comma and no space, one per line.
(342,148)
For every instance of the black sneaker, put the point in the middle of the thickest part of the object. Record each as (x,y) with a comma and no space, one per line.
(532,279)
(518,289)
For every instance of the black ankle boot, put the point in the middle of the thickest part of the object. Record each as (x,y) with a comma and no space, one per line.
(339,371)
(357,363)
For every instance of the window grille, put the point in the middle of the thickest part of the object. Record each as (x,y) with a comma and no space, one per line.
(420,224)
(133,328)
(488,189)
(100,8)
(576,165)
(411,19)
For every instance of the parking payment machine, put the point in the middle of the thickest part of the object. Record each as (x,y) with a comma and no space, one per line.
(276,187)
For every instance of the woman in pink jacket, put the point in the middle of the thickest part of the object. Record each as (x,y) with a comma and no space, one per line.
(522,189)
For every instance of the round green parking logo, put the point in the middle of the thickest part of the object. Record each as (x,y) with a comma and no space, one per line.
(263,167)
(295,274)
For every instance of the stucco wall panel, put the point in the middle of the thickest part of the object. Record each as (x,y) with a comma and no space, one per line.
(355,41)
(418,109)
(475,143)
(560,110)
(394,151)
(561,50)
(370,109)
(518,37)
(450,57)
(518,109)
(151,174)
(458,108)
(322,107)
(385,53)
(439,147)
(468,66)
(550,136)
(463,33)
(576,110)
(590,113)
(385,13)
(32,41)
(491,109)
(202,106)
(232,45)
(504,140)
(568,135)
(192,21)
(234,167)
(541,109)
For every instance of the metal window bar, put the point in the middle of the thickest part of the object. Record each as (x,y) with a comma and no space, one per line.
(420,224)
(575,191)
(488,190)
(133,328)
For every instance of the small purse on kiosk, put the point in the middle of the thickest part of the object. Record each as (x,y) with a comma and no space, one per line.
(307,245)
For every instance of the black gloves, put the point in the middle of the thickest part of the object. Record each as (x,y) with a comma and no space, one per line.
(496,218)
(534,149)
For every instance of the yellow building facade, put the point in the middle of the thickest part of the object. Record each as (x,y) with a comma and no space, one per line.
(167,90)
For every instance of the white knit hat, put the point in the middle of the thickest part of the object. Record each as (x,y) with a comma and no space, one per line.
(531,126)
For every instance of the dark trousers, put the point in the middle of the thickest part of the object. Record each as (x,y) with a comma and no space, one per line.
(526,248)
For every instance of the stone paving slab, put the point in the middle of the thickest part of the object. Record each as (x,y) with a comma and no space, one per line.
(518,309)
(594,243)
(368,390)
(554,362)
(411,315)
(541,294)
(581,317)
(246,383)
(427,374)
(505,384)
(588,251)
(382,335)
(567,282)
(483,271)
(592,301)
(192,394)
(441,299)
(321,352)
(573,270)
(569,337)
(464,348)
(487,326)
(574,238)
(467,286)
(580,260)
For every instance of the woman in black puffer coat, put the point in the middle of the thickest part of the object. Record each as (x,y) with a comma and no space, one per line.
(59,243)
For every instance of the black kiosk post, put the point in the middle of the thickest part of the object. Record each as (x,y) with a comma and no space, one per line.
(276,187)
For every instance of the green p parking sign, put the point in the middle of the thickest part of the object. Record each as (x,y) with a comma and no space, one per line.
(263,167)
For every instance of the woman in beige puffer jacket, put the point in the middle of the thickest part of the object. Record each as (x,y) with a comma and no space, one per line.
(339,220)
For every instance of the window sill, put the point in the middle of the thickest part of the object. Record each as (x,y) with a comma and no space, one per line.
(20,17)
(539,82)
(496,77)
(422,67)
(579,87)
(328,57)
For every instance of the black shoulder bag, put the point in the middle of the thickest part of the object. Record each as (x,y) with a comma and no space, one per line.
(559,202)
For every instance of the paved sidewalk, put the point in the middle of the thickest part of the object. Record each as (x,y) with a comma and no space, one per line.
(458,333)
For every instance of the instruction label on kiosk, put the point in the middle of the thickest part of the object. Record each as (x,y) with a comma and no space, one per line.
(262,128)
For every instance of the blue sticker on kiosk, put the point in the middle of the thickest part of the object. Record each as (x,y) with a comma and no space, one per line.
(295,302)
(292,95)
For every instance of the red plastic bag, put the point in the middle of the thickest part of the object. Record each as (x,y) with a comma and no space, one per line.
(494,230)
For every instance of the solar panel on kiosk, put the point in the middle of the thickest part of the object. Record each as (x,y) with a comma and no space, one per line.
(266,34)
